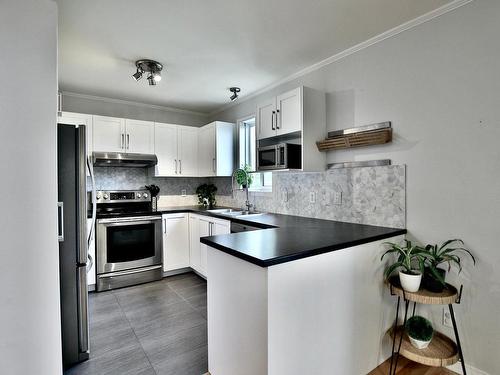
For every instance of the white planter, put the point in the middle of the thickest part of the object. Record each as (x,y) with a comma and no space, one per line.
(410,283)
(418,343)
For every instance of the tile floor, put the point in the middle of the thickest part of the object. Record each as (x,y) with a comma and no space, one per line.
(156,328)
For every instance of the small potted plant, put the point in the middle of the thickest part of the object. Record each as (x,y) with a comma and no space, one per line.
(419,331)
(243,176)
(434,277)
(410,263)
(206,195)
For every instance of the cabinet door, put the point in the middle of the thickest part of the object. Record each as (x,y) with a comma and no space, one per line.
(108,134)
(72,118)
(265,119)
(206,151)
(205,226)
(221,227)
(289,112)
(166,149)
(139,137)
(187,151)
(175,241)
(194,243)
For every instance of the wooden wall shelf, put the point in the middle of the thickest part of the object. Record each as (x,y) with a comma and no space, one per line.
(365,138)
(442,351)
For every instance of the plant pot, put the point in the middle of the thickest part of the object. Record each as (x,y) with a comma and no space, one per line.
(419,344)
(431,283)
(410,283)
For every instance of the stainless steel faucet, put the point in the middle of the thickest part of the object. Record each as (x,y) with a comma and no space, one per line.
(245,187)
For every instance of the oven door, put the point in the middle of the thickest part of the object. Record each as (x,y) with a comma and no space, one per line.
(267,158)
(130,242)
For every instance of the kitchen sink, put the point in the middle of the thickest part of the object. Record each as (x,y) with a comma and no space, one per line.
(227,211)
(249,214)
(235,213)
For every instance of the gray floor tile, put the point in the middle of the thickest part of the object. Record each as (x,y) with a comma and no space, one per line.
(162,323)
(194,362)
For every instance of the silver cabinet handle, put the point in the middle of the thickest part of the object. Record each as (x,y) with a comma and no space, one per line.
(165,226)
(277,122)
(180,166)
(213,165)
(122,140)
(128,141)
(175,161)
(272,120)
(60,226)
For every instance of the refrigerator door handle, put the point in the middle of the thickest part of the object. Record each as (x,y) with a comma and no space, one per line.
(83,313)
(60,221)
(81,196)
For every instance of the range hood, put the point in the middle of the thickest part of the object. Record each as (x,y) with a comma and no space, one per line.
(118,159)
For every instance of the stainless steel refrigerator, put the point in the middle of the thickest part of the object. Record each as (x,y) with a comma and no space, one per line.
(73,245)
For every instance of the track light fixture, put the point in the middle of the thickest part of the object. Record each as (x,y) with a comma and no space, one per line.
(152,67)
(235,91)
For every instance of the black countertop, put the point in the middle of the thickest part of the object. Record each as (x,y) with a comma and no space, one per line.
(285,238)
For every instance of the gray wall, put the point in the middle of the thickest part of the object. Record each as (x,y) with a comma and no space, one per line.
(30,325)
(439,84)
(136,111)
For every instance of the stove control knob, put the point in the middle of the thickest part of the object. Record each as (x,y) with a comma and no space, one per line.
(98,196)
(138,195)
(145,195)
(105,196)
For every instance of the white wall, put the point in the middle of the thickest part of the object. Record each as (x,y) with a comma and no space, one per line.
(439,84)
(131,110)
(29,274)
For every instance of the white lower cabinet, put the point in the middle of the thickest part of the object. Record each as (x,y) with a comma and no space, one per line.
(203,226)
(176,254)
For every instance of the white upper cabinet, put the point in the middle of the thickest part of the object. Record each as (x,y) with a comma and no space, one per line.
(216,149)
(187,151)
(280,115)
(265,119)
(175,241)
(289,112)
(139,136)
(113,134)
(109,134)
(72,118)
(176,148)
(166,149)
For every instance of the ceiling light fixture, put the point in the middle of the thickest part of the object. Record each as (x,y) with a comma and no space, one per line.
(152,67)
(235,91)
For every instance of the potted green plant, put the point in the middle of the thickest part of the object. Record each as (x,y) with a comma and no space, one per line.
(434,277)
(243,176)
(419,331)
(206,195)
(410,263)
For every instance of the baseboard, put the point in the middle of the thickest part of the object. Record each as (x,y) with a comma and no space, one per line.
(177,272)
(457,367)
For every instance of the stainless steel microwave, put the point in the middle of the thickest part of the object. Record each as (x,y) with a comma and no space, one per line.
(280,156)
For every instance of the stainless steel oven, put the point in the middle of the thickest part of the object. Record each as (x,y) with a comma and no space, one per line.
(280,156)
(129,251)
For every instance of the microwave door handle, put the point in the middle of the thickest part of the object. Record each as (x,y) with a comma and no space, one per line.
(278,162)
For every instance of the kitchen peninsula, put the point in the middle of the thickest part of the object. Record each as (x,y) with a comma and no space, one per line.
(301,295)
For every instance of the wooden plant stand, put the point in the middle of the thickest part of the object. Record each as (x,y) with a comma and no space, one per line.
(442,351)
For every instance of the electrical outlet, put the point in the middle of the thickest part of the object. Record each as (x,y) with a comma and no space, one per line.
(447,322)
(312,197)
(337,197)
(284,195)
(183,192)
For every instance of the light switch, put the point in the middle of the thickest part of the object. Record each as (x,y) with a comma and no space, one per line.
(337,197)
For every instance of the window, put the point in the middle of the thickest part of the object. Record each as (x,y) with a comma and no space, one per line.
(262,181)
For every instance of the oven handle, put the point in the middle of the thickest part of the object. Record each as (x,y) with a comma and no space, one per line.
(129,219)
(129,272)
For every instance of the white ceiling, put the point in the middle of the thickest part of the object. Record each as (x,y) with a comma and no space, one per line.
(209,45)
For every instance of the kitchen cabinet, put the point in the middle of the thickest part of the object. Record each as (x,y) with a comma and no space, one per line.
(289,112)
(139,136)
(72,118)
(112,134)
(265,119)
(203,226)
(175,241)
(216,149)
(176,148)
(108,134)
